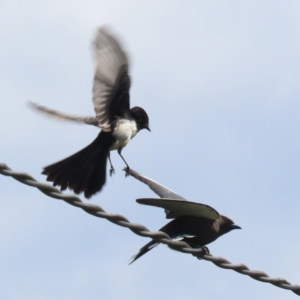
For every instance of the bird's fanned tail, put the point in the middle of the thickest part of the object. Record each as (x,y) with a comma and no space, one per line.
(84,171)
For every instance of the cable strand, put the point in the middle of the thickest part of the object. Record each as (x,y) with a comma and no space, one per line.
(141,230)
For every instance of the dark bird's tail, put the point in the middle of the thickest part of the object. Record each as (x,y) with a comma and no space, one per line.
(143,251)
(84,171)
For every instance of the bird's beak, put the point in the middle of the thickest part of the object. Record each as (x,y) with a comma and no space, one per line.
(147,127)
(233,226)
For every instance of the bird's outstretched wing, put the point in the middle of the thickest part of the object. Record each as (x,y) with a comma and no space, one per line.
(157,188)
(111,81)
(176,208)
(54,113)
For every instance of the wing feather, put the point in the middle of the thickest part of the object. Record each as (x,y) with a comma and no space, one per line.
(63,116)
(111,81)
(177,208)
(156,187)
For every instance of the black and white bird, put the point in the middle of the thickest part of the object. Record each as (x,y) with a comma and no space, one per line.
(194,223)
(85,171)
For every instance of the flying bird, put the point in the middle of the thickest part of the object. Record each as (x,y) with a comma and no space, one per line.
(194,223)
(85,171)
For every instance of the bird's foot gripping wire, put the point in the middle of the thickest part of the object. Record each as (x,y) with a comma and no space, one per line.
(205,252)
(111,171)
(126,169)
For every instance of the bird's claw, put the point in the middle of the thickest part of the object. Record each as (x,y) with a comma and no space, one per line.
(205,252)
(126,169)
(111,171)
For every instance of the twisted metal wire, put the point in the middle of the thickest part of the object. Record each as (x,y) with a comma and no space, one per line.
(141,230)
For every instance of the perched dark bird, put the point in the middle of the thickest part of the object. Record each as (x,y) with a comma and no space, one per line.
(194,223)
(85,171)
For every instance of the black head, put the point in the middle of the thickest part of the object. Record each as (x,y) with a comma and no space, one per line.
(226,225)
(140,117)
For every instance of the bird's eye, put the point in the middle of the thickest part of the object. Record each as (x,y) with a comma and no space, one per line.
(226,220)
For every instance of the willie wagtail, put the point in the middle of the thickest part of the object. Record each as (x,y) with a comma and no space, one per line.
(85,171)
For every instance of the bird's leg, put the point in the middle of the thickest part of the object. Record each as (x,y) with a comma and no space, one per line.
(127,168)
(112,169)
(205,252)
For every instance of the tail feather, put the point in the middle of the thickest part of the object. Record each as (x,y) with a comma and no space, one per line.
(84,171)
(143,251)
(173,229)
(94,177)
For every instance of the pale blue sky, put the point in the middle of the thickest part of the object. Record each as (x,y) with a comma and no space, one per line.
(220,82)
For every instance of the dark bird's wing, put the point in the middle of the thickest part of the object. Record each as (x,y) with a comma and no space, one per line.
(111,82)
(176,208)
(54,113)
(162,192)
(156,187)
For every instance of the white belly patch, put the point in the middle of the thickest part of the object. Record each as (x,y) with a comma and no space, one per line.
(123,133)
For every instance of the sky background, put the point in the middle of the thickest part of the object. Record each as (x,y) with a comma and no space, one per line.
(220,83)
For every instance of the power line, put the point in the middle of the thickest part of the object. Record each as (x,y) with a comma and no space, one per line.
(141,230)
